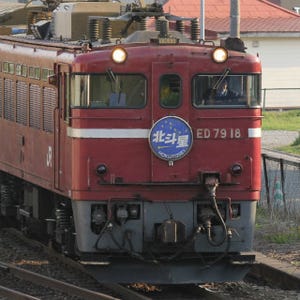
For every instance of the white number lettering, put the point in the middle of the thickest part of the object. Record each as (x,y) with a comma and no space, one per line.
(218,133)
(237,133)
(223,133)
(203,133)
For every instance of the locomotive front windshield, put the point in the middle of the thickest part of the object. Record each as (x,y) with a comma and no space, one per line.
(112,90)
(108,90)
(230,90)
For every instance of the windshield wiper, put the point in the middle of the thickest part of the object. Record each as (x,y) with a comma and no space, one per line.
(221,79)
(111,75)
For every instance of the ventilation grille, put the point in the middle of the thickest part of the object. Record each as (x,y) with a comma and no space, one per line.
(35,106)
(21,102)
(48,108)
(9,99)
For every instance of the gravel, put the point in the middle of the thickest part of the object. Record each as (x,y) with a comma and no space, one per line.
(276,138)
(15,251)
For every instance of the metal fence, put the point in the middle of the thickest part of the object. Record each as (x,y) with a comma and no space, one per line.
(280,97)
(281,186)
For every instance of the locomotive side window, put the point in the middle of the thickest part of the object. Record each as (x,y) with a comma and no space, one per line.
(108,90)
(67,96)
(18,69)
(24,71)
(170,91)
(11,68)
(80,90)
(5,67)
(8,67)
(34,72)
(45,74)
(230,90)
(31,72)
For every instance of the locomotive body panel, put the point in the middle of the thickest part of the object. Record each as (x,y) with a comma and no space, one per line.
(239,147)
(25,149)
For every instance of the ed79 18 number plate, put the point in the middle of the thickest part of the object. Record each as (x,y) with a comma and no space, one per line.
(218,133)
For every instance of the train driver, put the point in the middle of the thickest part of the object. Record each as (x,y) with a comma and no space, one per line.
(223,92)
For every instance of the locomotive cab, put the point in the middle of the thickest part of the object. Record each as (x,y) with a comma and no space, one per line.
(176,181)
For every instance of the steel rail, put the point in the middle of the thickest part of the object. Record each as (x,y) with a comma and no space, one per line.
(124,292)
(14,294)
(64,287)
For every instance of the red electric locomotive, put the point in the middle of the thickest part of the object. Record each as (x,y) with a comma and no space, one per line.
(136,151)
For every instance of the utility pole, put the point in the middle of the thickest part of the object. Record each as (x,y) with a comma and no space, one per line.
(234,18)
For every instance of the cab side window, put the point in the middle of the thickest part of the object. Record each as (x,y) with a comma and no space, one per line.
(229,90)
(109,90)
(170,91)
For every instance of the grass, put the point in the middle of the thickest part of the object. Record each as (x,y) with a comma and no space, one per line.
(288,236)
(284,120)
(294,148)
(279,231)
(281,120)
(275,229)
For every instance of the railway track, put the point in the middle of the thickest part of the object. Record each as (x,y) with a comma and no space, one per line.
(94,290)
(85,288)
(130,292)
(49,282)
(14,294)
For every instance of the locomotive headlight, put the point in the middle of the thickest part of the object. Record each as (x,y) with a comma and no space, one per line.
(220,55)
(119,55)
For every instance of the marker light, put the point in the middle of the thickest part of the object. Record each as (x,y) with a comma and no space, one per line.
(101,169)
(220,55)
(119,55)
(236,169)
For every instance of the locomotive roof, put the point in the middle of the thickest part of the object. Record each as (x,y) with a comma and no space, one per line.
(141,37)
(71,24)
(123,28)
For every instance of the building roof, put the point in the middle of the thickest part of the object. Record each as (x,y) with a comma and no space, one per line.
(6,7)
(256,16)
(12,13)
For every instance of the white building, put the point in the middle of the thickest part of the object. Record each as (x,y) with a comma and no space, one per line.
(268,30)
